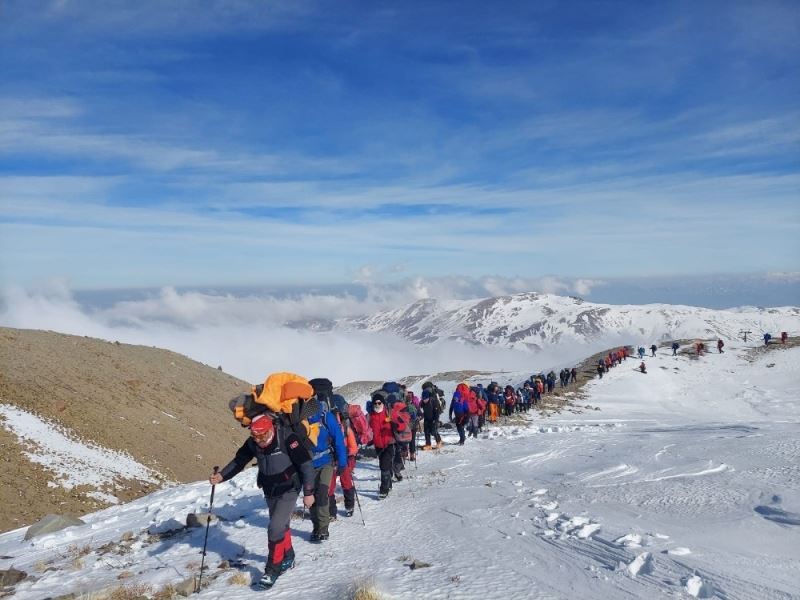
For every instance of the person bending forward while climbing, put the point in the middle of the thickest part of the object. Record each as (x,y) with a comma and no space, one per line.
(284,468)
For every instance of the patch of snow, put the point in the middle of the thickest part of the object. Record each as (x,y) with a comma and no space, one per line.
(73,462)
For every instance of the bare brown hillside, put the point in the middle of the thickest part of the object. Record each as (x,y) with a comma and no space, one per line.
(168,412)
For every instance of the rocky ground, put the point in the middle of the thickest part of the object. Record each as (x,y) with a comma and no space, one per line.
(168,412)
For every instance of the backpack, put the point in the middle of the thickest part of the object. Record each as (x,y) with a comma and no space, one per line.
(287,397)
(412,411)
(401,422)
(323,390)
(360,424)
(391,387)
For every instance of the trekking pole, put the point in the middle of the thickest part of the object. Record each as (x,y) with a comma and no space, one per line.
(205,541)
(358,502)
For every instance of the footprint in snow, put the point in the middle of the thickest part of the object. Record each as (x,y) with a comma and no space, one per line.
(631,540)
(588,530)
(641,565)
(697,588)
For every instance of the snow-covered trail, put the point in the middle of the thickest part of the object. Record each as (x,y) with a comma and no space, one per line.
(685,483)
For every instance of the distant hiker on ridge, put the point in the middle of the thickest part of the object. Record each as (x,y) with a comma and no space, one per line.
(653,349)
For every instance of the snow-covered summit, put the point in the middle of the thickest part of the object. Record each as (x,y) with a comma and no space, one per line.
(536,321)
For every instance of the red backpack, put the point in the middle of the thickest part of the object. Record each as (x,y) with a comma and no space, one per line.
(360,424)
(401,422)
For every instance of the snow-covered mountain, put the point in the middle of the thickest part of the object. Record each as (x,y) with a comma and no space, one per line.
(535,321)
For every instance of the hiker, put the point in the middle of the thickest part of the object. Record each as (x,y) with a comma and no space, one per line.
(483,401)
(600,371)
(641,352)
(675,346)
(329,452)
(643,367)
(573,375)
(784,337)
(653,349)
(472,414)
(767,338)
(720,344)
(495,399)
(527,394)
(459,410)
(345,475)
(429,407)
(509,399)
(412,404)
(383,438)
(284,468)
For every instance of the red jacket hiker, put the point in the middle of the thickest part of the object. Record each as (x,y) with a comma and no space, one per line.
(381,426)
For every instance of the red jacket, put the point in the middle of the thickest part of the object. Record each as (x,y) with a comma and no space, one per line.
(381,426)
(472,402)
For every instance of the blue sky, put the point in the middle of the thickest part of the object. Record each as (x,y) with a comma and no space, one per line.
(262,143)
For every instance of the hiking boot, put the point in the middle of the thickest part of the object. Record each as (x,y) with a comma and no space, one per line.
(267,581)
(348,512)
(287,563)
(427,447)
(382,494)
(413,458)
(318,538)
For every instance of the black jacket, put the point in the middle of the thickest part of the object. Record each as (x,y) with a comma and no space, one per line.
(282,466)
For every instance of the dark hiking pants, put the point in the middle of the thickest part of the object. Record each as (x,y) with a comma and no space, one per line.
(385,460)
(320,512)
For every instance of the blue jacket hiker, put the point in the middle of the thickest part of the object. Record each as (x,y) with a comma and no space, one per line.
(330,445)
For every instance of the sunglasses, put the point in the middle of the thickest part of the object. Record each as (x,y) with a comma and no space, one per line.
(376,402)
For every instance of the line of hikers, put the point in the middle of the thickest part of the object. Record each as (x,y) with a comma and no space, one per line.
(614,358)
(303,436)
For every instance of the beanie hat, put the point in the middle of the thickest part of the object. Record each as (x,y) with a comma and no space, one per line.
(261,425)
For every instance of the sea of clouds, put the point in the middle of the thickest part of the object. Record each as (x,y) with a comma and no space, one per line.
(249,336)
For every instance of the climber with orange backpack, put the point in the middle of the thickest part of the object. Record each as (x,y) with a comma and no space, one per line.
(278,441)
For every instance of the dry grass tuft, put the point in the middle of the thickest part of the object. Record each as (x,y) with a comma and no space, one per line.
(40,566)
(125,575)
(239,579)
(168,592)
(130,592)
(365,590)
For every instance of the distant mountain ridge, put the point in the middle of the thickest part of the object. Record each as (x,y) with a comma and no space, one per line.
(533,321)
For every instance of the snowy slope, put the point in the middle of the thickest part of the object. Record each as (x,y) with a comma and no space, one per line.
(684,484)
(73,462)
(535,321)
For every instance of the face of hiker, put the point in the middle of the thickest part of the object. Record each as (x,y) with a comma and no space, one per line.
(264,439)
(377,406)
